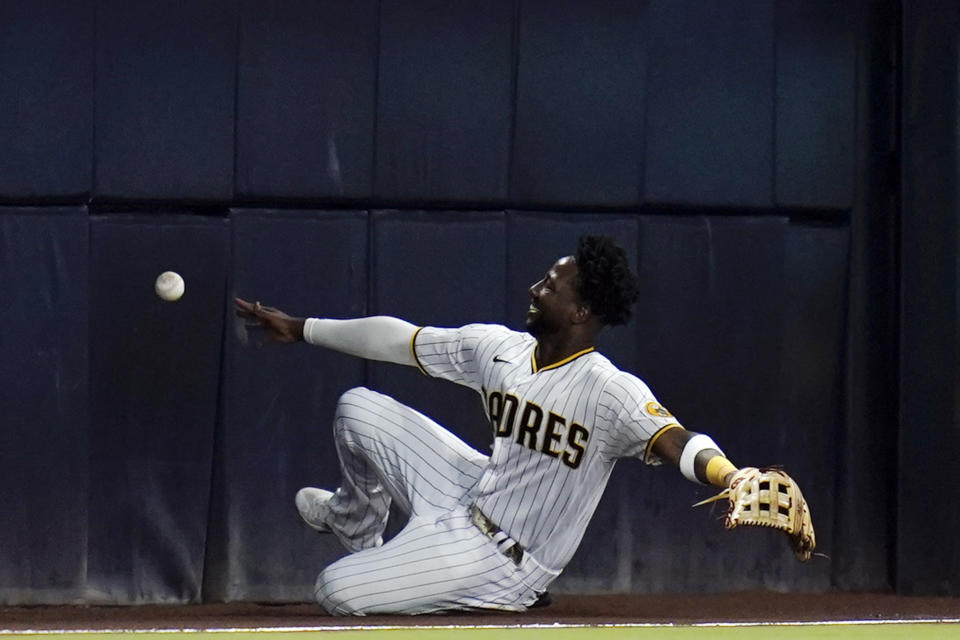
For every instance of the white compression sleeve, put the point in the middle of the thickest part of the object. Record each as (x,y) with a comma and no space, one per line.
(374,338)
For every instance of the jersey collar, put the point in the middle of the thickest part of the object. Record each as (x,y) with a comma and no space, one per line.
(533,360)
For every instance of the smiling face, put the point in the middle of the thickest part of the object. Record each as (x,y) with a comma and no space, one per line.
(554,300)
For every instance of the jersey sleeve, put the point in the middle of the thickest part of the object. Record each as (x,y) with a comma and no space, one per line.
(635,417)
(456,355)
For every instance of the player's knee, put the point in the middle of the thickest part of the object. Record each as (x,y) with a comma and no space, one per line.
(356,395)
(334,595)
(351,405)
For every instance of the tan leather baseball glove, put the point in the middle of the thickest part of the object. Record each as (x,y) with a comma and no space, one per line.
(769,498)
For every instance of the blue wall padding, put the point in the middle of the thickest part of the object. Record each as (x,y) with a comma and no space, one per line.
(305,99)
(46,99)
(154,381)
(276,431)
(812,403)
(444,100)
(165,100)
(43,397)
(443,269)
(163,447)
(696,103)
(815,102)
(927,520)
(741,321)
(578,136)
(710,74)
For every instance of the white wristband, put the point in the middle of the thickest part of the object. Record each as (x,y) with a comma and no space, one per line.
(688,457)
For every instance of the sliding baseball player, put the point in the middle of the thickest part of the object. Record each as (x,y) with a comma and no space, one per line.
(492,531)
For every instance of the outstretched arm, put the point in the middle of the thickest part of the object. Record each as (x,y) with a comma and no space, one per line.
(755,497)
(375,338)
(696,456)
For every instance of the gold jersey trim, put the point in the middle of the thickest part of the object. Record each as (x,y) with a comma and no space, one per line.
(653,439)
(533,360)
(413,351)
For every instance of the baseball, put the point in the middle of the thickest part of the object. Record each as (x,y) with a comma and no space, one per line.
(169,286)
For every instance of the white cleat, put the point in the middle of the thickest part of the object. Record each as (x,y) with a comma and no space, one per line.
(312,505)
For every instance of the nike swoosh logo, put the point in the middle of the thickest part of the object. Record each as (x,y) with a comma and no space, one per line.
(499,359)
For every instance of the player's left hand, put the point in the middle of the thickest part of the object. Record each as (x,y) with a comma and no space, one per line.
(769,498)
(279,326)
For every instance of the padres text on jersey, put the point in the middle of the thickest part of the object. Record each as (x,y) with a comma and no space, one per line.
(558,430)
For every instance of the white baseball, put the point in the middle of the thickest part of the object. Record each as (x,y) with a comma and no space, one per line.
(169,286)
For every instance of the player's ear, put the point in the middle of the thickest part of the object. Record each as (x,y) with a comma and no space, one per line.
(581,314)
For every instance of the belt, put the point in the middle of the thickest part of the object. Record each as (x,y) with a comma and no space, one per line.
(505,544)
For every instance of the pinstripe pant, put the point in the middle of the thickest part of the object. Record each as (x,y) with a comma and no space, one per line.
(439,560)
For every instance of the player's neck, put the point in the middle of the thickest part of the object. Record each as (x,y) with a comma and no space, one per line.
(553,349)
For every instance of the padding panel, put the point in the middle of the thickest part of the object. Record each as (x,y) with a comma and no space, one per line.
(444,100)
(305,99)
(43,404)
(927,561)
(815,102)
(578,137)
(276,430)
(46,99)
(709,135)
(165,100)
(154,381)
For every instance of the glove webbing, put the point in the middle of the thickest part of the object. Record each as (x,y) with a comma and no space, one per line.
(769,493)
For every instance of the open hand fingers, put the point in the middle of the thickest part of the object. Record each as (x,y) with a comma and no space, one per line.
(242,307)
(247,309)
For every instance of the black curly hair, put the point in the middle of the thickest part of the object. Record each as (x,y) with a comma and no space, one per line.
(604,279)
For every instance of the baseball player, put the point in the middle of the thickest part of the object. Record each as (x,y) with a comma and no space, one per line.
(486,531)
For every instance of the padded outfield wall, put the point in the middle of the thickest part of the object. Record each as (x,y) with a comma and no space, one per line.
(428,160)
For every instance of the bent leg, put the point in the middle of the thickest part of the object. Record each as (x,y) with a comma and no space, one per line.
(389,451)
(433,564)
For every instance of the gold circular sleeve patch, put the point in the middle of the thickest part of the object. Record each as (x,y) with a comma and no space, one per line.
(656,409)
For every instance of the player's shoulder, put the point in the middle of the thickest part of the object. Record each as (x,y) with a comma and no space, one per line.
(478,333)
(599,365)
(482,330)
(486,327)
(616,381)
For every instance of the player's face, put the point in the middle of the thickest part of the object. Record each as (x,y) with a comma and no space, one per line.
(554,299)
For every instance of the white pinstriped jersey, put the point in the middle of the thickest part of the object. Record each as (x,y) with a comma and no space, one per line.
(558,430)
